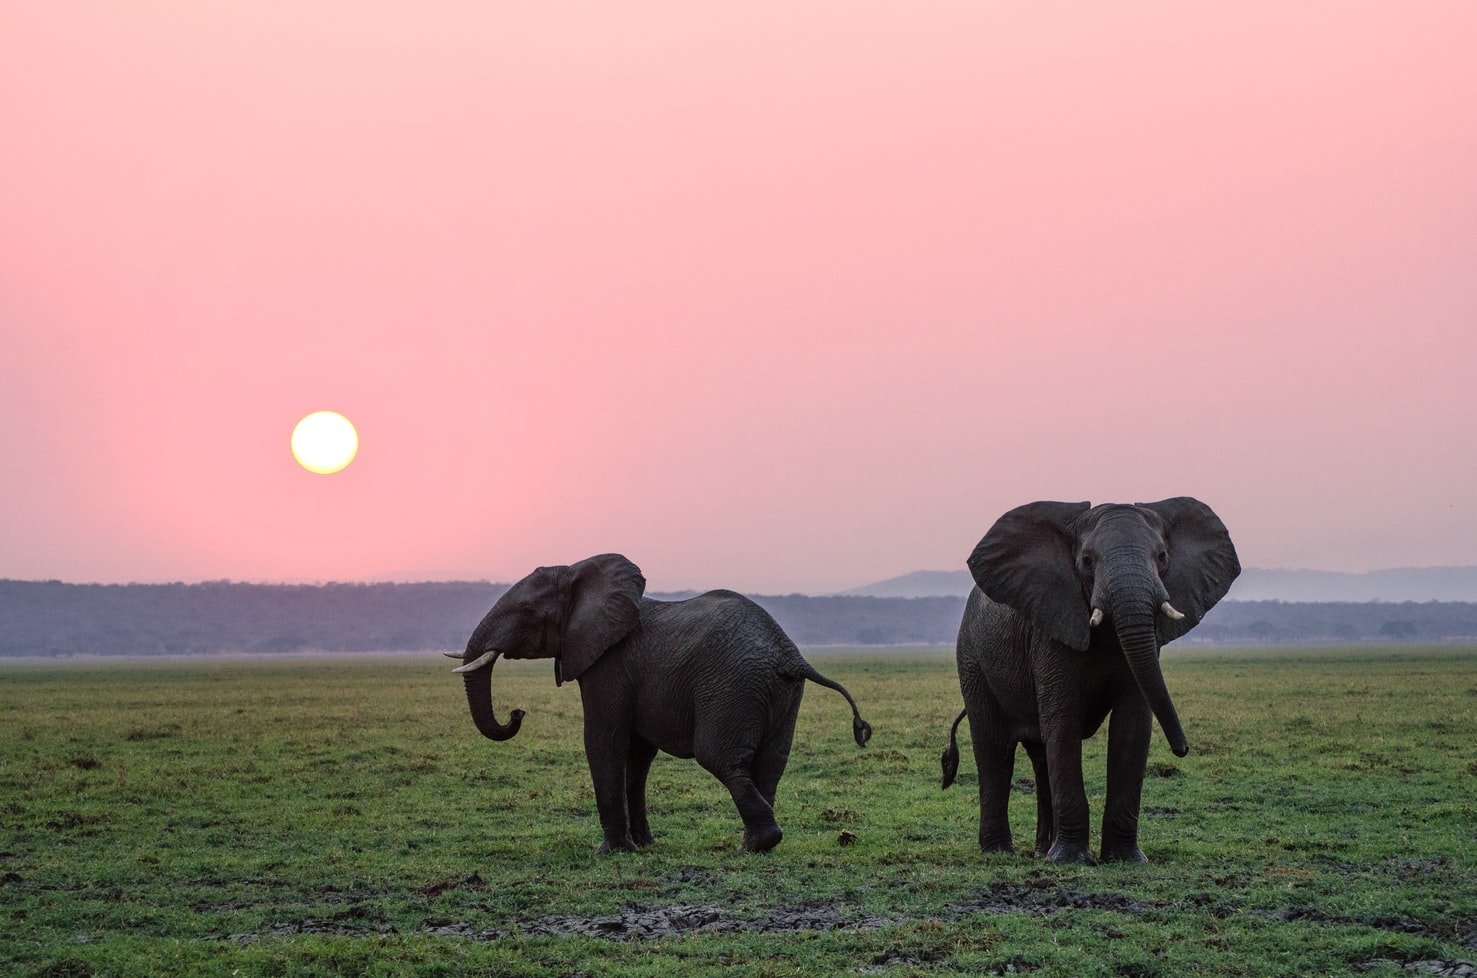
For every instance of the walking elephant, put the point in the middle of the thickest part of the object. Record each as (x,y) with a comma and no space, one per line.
(1065,626)
(712,678)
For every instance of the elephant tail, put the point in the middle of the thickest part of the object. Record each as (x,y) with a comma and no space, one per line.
(860,729)
(950,759)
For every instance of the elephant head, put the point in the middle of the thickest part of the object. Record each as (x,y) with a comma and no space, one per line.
(571,614)
(1149,571)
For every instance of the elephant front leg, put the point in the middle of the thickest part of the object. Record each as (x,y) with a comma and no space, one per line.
(606,749)
(1129,733)
(1068,797)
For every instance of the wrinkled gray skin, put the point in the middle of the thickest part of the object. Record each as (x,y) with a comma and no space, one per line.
(1034,670)
(712,677)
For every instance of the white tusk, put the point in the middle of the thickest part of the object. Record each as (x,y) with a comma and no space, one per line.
(1169,612)
(1096,619)
(485,660)
(455,655)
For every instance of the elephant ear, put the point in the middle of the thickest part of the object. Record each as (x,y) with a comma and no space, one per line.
(1202,561)
(1028,561)
(605,608)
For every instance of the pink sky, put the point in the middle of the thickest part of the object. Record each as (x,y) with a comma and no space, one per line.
(786,296)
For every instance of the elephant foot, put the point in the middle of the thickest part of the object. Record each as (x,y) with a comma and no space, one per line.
(1123,854)
(763,839)
(642,838)
(996,843)
(619,845)
(1065,852)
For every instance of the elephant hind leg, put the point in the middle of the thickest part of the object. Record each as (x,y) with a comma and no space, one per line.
(994,758)
(774,752)
(1044,824)
(761,831)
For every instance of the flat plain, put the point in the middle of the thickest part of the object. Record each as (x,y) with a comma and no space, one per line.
(342,816)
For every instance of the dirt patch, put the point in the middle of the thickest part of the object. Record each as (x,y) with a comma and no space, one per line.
(308,926)
(1461,932)
(637,922)
(900,959)
(647,921)
(1435,966)
(1039,901)
(472,882)
(1410,869)
(691,876)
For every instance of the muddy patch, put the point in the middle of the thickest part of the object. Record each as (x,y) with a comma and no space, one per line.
(1435,966)
(1038,902)
(636,922)
(1460,932)
(652,921)
(438,887)
(308,926)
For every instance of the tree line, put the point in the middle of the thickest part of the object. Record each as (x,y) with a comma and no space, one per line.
(52,618)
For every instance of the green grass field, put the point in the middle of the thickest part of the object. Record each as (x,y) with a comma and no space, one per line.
(344,817)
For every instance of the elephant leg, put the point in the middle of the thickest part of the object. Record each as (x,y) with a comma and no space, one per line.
(1068,796)
(774,753)
(1130,730)
(994,759)
(1044,823)
(638,763)
(734,769)
(606,748)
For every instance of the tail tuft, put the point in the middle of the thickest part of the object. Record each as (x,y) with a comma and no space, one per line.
(950,758)
(950,762)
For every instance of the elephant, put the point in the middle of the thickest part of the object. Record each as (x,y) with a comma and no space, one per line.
(1071,606)
(712,677)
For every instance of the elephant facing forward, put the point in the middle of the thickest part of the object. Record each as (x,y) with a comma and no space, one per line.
(1064,627)
(712,678)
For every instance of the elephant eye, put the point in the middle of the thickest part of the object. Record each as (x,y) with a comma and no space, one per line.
(1163,559)
(1087,563)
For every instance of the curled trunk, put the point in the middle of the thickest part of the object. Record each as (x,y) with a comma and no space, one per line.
(479,700)
(1140,644)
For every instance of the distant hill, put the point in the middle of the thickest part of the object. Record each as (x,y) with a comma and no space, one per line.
(918,584)
(1254,584)
(1394,584)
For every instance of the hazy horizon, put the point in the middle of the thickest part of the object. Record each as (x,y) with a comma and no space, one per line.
(777,297)
(1261,573)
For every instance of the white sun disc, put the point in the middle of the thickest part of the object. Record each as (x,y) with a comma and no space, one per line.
(324,442)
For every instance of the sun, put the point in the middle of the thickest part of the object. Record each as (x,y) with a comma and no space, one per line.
(324,442)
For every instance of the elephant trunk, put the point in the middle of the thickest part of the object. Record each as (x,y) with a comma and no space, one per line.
(1134,623)
(479,700)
